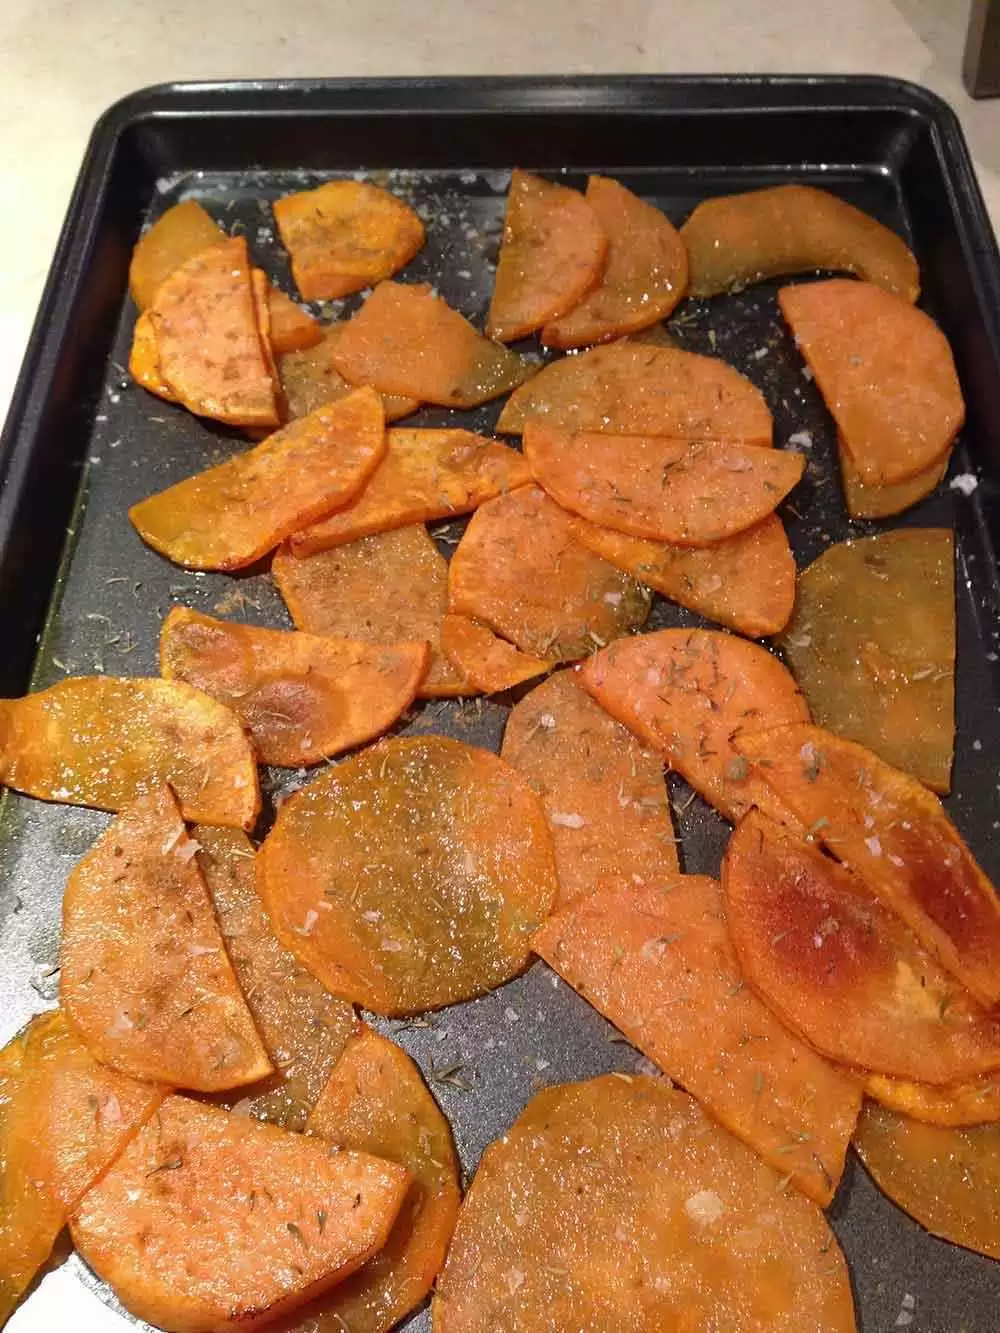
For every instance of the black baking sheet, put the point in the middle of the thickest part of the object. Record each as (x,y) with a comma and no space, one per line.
(79,593)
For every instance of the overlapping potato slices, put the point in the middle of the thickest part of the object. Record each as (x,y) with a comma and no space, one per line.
(519,569)
(309,379)
(291,329)
(551,255)
(886,374)
(892,832)
(617,1204)
(690,695)
(883,500)
(872,646)
(658,962)
(103,741)
(741,238)
(356,592)
(181,233)
(144,360)
(629,388)
(233,514)
(644,276)
(746,582)
(302,697)
(411,876)
(689,492)
(212,1221)
(346,235)
(485,661)
(407,340)
(974,1103)
(604,794)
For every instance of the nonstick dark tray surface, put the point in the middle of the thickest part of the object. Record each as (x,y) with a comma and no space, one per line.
(80,594)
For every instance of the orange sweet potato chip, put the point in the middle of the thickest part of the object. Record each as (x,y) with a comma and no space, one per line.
(407,340)
(346,235)
(484,660)
(302,697)
(410,876)
(310,380)
(603,792)
(426,474)
(885,371)
(742,238)
(102,741)
(873,500)
(746,582)
(892,832)
(519,569)
(183,232)
(144,360)
(974,1103)
(630,388)
(232,514)
(689,492)
(552,254)
(292,328)
(645,276)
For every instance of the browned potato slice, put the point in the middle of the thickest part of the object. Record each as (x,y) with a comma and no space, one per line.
(310,380)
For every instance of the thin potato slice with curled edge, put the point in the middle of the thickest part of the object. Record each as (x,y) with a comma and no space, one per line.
(864,500)
(892,832)
(302,697)
(212,1221)
(746,583)
(146,981)
(658,962)
(519,569)
(303,1028)
(629,388)
(885,371)
(483,659)
(232,514)
(974,1103)
(744,238)
(947,1179)
(689,694)
(841,969)
(645,276)
(184,231)
(101,741)
(356,592)
(603,792)
(410,876)
(617,1206)
(425,475)
(872,646)
(63,1120)
(292,329)
(346,235)
(690,492)
(407,340)
(310,380)
(551,255)
(144,360)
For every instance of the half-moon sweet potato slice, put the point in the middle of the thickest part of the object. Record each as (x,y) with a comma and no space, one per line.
(874,500)
(144,360)
(181,233)
(292,329)
(309,380)
(485,661)
(974,1103)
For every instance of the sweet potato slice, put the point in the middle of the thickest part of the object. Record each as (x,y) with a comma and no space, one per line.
(974,1103)
(310,380)
(551,255)
(947,1179)
(211,1221)
(410,876)
(483,659)
(743,238)
(302,697)
(63,1120)
(616,1204)
(629,388)
(689,492)
(425,475)
(871,500)
(146,981)
(658,962)
(232,514)
(377,1102)
(746,582)
(303,1028)
(519,569)
(892,832)
(183,232)
(872,646)
(407,340)
(211,353)
(292,328)
(346,235)
(690,695)
(645,275)
(353,592)
(885,371)
(841,969)
(603,792)
(144,360)
(102,741)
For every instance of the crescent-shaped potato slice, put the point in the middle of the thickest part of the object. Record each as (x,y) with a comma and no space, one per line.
(487,662)
(144,360)
(883,500)
(309,380)
(974,1103)
(181,233)
(292,329)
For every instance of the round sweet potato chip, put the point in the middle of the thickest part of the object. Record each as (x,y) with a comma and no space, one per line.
(974,1103)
